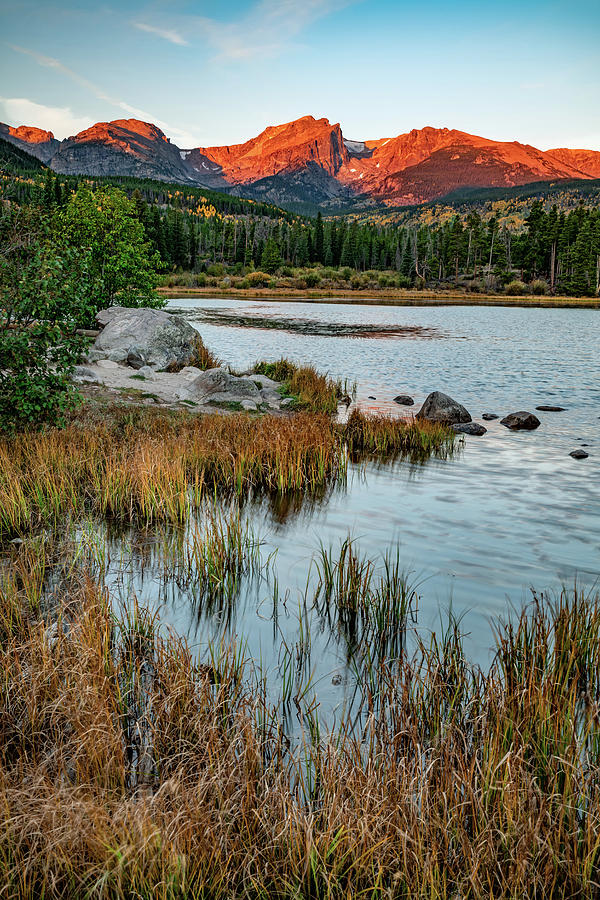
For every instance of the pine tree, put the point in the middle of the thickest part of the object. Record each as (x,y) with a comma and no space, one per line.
(49,191)
(192,245)
(271,258)
(178,240)
(319,239)
(347,257)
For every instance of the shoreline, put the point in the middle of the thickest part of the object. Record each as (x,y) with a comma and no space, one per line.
(386,297)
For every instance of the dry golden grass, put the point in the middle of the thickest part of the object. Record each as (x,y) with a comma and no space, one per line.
(148,466)
(128,770)
(309,389)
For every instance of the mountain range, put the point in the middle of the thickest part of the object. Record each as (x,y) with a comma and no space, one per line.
(309,161)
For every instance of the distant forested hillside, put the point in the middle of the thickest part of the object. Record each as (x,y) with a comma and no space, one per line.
(545,237)
(13,159)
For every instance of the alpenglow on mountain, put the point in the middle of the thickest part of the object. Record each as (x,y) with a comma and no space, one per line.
(309,161)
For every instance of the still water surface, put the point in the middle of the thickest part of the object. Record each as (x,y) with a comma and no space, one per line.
(509,512)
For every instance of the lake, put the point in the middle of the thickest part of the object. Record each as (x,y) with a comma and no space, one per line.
(509,512)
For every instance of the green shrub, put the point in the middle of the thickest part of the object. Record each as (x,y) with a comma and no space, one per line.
(516,288)
(312,279)
(42,293)
(539,287)
(121,267)
(258,279)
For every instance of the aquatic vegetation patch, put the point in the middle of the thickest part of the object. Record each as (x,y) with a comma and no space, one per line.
(309,389)
(383,436)
(150,465)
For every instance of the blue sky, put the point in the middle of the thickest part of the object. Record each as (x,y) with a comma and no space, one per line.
(219,72)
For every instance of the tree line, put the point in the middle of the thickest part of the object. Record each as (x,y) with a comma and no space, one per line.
(191,229)
(559,251)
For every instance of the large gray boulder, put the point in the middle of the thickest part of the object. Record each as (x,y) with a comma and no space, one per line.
(218,388)
(443,409)
(145,337)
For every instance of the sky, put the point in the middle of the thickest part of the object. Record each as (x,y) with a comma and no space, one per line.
(213,72)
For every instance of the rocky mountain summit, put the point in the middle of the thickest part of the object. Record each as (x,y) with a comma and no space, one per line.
(310,160)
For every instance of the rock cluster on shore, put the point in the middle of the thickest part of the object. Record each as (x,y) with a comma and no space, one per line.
(149,355)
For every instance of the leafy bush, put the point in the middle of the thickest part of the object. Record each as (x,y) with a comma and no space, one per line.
(539,287)
(312,279)
(516,288)
(41,294)
(258,279)
(58,267)
(121,267)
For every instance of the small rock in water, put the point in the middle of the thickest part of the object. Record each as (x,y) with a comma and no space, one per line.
(404,400)
(551,408)
(337,679)
(469,428)
(521,421)
(489,417)
(441,408)
(579,454)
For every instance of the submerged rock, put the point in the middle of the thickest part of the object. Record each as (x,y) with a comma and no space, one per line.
(490,417)
(470,428)
(551,408)
(579,454)
(443,409)
(521,421)
(404,400)
(145,337)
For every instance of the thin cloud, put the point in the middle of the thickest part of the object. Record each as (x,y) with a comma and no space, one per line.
(267,28)
(181,136)
(166,33)
(58,119)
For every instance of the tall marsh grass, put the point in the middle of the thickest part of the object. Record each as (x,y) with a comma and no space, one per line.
(309,389)
(152,466)
(127,769)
